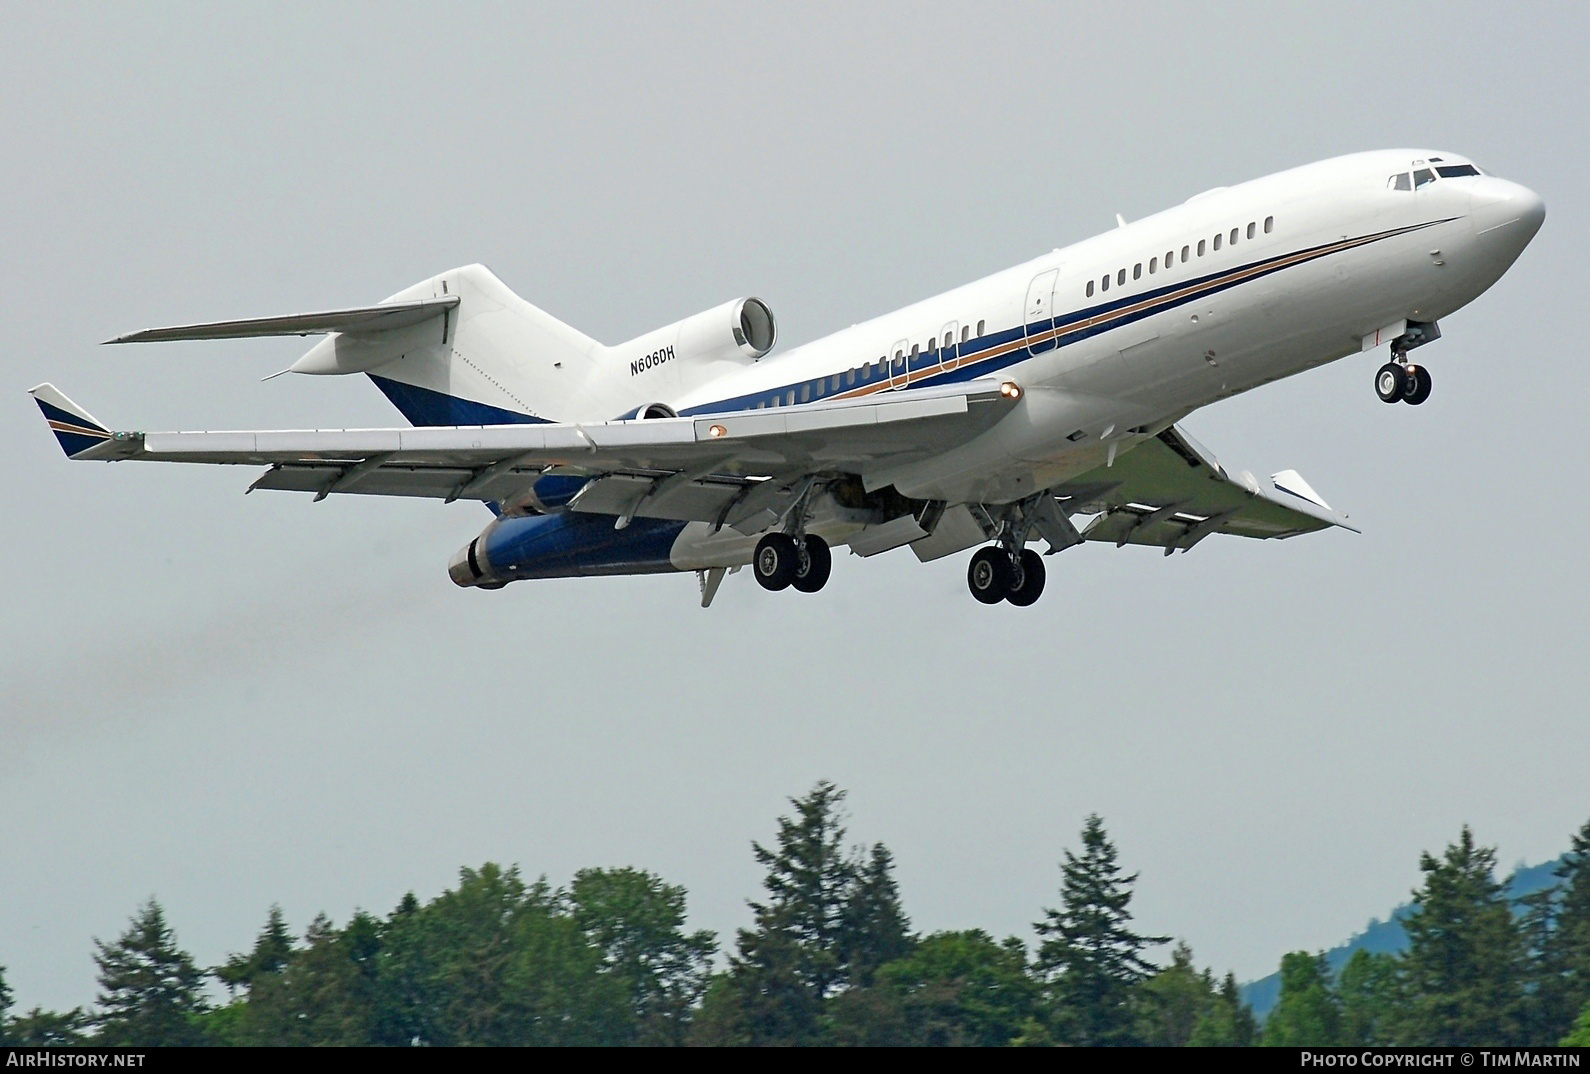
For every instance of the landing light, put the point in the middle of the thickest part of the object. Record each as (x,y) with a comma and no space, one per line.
(1010,390)
(717,430)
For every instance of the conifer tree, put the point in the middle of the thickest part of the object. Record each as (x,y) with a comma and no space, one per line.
(1563,951)
(39,1028)
(5,1008)
(1229,1022)
(791,961)
(876,929)
(1308,1013)
(1090,959)
(150,990)
(272,948)
(1463,967)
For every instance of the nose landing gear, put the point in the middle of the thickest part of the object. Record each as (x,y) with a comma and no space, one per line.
(1399,380)
(1403,382)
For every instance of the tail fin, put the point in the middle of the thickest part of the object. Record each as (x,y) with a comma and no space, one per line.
(73,426)
(457,349)
(496,360)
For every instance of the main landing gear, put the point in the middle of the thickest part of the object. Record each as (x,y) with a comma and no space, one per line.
(782,561)
(997,574)
(1402,382)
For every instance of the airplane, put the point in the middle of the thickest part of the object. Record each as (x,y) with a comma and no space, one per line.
(990,416)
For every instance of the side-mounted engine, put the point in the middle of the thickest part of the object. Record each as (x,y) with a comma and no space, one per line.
(669,363)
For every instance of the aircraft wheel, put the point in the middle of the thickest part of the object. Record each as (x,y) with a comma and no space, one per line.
(1031,576)
(776,561)
(1391,383)
(989,575)
(815,566)
(1418,389)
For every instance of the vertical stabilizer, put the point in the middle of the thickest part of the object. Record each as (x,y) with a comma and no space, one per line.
(491,359)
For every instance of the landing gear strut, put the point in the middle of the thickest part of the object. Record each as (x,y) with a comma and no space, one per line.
(1008,570)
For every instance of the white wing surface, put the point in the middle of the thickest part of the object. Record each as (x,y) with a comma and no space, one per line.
(689,468)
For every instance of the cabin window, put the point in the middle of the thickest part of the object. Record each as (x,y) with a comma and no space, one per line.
(915,350)
(1120,278)
(966,329)
(789,397)
(1252,227)
(850,376)
(1090,288)
(1269,224)
(1153,265)
(1104,284)
(979,328)
(1170,258)
(1234,232)
(866,372)
(1201,244)
(1137,271)
(1185,250)
(949,338)
(1217,242)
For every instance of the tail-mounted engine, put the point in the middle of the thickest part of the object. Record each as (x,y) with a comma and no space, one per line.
(669,363)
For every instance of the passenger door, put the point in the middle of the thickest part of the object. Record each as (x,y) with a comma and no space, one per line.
(1038,319)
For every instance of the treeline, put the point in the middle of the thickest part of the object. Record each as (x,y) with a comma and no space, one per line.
(831,958)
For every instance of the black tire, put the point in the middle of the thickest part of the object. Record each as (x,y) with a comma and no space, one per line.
(1391,383)
(815,566)
(1419,385)
(776,561)
(989,575)
(1032,578)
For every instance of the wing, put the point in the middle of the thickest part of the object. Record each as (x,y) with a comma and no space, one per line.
(1170,492)
(691,468)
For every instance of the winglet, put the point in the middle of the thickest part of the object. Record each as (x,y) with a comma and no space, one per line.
(73,426)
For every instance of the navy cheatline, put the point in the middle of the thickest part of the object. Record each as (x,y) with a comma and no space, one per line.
(997,350)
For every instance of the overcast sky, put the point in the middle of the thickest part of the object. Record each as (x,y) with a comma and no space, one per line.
(229,701)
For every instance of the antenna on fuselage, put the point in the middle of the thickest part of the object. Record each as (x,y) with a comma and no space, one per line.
(1120,221)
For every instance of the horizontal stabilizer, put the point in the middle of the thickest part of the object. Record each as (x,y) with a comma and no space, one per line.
(73,426)
(358,321)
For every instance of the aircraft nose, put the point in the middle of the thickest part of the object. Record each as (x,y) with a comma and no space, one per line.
(1505,213)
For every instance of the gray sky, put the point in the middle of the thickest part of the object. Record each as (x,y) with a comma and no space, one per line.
(229,701)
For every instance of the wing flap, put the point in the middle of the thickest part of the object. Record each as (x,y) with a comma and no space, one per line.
(1171,493)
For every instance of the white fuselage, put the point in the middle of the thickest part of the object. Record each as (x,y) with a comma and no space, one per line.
(1118,336)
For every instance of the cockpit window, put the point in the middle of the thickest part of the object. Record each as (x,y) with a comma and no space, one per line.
(1400,182)
(1453,171)
(1423,177)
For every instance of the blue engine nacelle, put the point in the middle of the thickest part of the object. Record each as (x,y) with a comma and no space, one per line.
(565,545)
